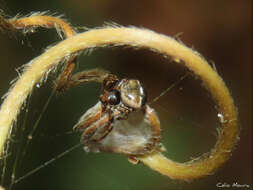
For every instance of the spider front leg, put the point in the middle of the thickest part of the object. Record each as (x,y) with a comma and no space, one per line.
(64,77)
(67,80)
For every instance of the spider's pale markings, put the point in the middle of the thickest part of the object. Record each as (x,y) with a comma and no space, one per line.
(80,144)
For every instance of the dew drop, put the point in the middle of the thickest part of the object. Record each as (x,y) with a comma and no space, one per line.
(177,60)
(221,118)
(37,85)
(86,149)
(32,30)
(30,137)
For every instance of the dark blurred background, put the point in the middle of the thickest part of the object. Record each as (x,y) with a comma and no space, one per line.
(220,30)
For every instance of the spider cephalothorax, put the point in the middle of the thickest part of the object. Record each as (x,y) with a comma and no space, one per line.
(123,97)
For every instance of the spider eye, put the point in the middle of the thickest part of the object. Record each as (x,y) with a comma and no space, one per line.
(114,97)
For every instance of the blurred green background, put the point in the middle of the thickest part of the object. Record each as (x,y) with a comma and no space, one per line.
(220,30)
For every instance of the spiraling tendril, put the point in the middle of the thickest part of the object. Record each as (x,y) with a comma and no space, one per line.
(141,38)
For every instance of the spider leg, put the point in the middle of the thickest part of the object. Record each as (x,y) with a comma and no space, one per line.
(94,123)
(93,135)
(92,115)
(98,130)
(104,129)
(88,133)
(64,77)
(93,75)
(89,117)
(133,160)
(66,80)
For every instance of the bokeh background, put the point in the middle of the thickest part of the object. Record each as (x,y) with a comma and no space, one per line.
(220,30)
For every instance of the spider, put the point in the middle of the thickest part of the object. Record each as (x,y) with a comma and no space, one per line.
(111,124)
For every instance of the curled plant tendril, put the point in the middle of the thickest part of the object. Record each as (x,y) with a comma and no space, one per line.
(141,38)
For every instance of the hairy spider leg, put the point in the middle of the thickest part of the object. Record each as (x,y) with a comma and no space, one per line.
(97,130)
(66,80)
(62,80)
(94,123)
